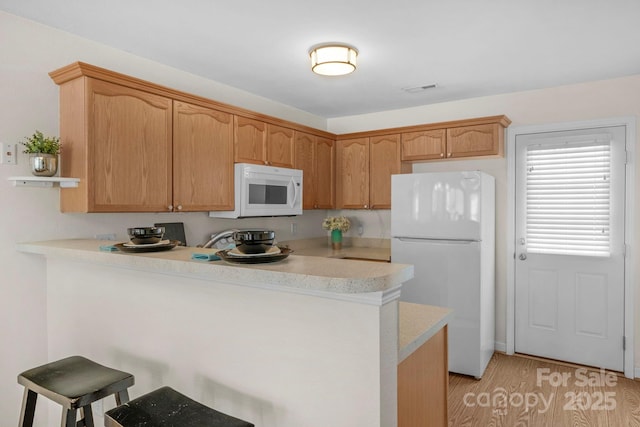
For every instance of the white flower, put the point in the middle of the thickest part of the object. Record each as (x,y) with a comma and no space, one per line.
(336,223)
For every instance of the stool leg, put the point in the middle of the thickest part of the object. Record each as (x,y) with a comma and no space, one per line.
(69,417)
(122,397)
(87,417)
(28,408)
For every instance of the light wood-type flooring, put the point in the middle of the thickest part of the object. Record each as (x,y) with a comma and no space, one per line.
(517,391)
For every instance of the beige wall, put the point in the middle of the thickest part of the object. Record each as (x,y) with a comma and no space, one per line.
(594,100)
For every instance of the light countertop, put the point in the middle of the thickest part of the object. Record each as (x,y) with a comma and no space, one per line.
(314,273)
(352,248)
(308,274)
(417,323)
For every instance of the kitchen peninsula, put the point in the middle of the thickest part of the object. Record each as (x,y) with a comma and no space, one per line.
(309,341)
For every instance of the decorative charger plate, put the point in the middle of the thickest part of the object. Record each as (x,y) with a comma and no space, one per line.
(273,250)
(256,259)
(152,247)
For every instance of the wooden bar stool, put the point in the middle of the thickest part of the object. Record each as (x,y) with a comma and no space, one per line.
(165,407)
(74,382)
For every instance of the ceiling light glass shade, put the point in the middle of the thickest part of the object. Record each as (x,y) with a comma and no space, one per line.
(333,60)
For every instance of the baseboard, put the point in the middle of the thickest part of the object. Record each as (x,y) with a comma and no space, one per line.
(502,347)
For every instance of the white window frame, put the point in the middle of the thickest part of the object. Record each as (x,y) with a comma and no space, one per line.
(629,280)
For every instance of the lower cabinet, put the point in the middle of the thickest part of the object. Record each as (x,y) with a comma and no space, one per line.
(423,385)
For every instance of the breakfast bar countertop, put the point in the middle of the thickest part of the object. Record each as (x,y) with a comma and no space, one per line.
(296,273)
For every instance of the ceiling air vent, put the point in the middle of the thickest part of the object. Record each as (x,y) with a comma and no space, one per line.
(416,89)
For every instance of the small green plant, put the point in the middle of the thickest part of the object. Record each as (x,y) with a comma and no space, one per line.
(38,143)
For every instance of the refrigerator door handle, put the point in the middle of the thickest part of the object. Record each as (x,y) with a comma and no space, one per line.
(436,241)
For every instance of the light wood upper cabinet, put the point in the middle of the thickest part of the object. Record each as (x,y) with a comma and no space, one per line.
(363,171)
(352,174)
(304,150)
(135,151)
(121,150)
(279,145)
(325,161)
(202,158)
(315,156)
(424,145)
(465,138)
(384,161)
(262,143)
(250,138)
(478,140)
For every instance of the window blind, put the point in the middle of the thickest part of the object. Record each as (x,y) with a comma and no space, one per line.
(567,198)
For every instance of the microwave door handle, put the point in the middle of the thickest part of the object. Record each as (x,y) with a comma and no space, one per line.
(292,182)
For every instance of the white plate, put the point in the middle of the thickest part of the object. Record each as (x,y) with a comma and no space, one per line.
(147,245)
(273,250)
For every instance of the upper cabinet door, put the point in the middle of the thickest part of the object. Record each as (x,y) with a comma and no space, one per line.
(129,149)
(304,149)
(384,159)
(202,158)
(477,140)
(325,173)
(250,140)
(424,145)
(279,146)
(352,174)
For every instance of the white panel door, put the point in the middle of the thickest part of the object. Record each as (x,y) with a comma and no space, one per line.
(570,246)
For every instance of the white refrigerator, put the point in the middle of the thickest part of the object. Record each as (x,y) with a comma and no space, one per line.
(444,224)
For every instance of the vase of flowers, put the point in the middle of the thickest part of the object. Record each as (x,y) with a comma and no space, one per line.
(337,225)
(43,153)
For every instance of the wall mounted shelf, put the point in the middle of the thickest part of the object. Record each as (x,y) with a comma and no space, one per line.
(44,181)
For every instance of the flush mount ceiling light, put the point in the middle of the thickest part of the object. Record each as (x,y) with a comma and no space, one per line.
(333,59)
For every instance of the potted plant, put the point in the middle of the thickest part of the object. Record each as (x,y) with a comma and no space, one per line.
(337,225)
(43,153)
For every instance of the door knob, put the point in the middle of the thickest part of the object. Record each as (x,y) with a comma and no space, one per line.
(522,256)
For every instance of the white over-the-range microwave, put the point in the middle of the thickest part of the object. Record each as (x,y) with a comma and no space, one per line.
(264,191)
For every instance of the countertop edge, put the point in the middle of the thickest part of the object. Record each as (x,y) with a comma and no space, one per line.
(430,329)
(375,289)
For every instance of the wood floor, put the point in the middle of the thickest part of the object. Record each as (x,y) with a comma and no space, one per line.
(520,392)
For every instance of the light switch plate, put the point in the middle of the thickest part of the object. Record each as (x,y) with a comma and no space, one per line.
(8,153)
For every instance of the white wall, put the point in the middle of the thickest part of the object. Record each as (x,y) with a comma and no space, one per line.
(595,100)
(28,52)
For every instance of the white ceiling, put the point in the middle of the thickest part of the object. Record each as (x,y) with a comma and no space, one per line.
(469,48)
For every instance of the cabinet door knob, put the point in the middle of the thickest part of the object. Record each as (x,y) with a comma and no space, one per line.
(170,207)
(441,154)
(179,207)
(366,206)
(448,154)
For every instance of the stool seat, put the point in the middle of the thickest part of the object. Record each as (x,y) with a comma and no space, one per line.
(165,407)
(74,382)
